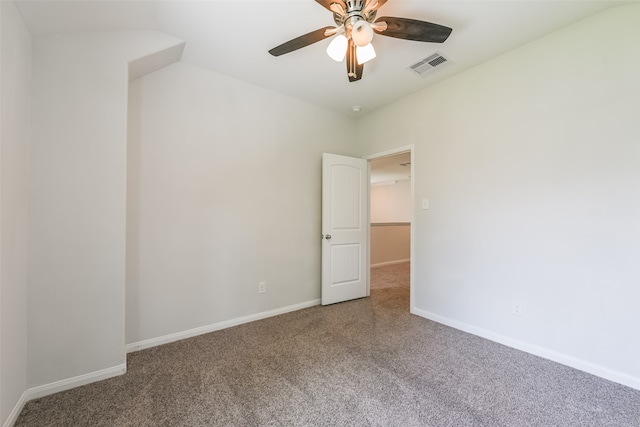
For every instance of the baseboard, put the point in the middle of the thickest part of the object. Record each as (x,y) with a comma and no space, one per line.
(399,261)
(564,359)
(80,380)
(154,342)
(13,416)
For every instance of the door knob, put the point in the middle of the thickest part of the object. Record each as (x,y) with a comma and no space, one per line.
(328,237)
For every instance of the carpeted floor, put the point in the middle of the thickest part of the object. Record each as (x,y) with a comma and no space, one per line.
(390,276)
(359,363)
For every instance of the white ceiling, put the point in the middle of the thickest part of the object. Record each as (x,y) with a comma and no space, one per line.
(391,169)
(232,37)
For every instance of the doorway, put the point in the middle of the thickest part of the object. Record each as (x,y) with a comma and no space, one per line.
(391,214)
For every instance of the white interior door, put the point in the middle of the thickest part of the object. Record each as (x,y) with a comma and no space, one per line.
(345,201)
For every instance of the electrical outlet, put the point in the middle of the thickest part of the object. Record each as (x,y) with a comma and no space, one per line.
(262,287)
(516,309)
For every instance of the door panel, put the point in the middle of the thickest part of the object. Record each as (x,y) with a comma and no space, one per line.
(344,228)
(345,268)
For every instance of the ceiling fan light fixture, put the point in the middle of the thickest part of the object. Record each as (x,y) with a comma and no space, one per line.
(365,53)
(355,26)
(362,33)
(337,49)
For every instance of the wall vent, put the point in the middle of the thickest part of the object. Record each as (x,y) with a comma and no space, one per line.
(429,64)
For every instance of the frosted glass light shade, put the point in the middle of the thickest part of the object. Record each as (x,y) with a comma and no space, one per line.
(337,49)
(361,33)
(365,53)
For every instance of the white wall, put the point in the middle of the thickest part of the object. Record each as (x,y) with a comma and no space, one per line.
(224,191)
(14,158)
(77,203)
(531,162)
(391,203)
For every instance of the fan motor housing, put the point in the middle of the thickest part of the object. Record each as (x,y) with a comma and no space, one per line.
(353,13)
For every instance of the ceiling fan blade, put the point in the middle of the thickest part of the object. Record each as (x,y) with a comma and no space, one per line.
(373,5)
(327,3)
(334,30)
(358,76)
(300,42)
(380,4)
(379,26)
(337,8)
(412,29)
(354,70)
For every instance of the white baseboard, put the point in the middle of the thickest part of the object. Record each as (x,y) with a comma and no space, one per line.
(69,383)
(399,261)
(153,342)
(564,359)
(80,380)
(62,385)
(13,416)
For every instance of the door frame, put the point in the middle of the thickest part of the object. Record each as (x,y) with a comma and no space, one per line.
(379,155)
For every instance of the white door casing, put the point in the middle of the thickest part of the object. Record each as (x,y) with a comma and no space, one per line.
(345,202)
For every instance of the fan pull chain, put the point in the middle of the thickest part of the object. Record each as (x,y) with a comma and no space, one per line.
(352,59)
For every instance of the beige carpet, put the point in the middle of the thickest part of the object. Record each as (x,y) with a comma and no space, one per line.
(391,276)
(361,363)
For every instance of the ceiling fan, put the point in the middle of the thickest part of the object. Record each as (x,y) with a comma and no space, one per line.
(355,25)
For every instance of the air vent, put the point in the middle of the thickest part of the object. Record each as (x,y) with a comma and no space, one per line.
(429,64)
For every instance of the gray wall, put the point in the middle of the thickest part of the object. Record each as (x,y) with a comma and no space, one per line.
(14,158)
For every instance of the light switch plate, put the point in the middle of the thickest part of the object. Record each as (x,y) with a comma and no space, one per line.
(425,203)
